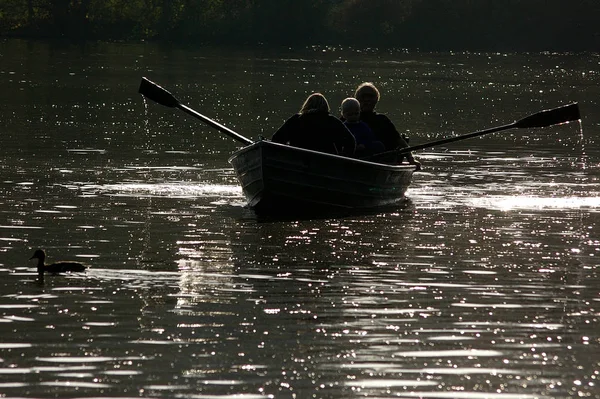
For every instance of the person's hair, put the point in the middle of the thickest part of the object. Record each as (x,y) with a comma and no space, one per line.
(366,87)
(316,102)
(349,104)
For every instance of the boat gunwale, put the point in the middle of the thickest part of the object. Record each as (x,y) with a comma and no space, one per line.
(338,158)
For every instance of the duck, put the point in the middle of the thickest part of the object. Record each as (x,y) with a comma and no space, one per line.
(57,267)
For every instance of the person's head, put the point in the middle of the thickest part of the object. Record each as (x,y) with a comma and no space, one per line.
(367,95)
(316,102)
(351,109)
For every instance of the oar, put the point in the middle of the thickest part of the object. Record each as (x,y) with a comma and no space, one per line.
(549,117)
(156,93)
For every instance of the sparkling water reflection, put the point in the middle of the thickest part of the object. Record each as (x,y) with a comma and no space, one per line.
(482,284)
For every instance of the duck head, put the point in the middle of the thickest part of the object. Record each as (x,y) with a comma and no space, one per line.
(38,254)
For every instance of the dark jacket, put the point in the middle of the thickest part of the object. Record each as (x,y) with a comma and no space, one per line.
(384,129)
(318,131)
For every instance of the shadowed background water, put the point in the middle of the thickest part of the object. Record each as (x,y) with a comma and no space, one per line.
(482,284)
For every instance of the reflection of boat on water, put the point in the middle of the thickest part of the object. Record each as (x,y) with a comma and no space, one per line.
(273,175)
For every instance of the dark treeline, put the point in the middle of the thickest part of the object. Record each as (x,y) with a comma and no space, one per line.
(494,25)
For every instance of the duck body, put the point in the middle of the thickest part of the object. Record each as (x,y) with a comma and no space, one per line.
(57,267)
(63,267)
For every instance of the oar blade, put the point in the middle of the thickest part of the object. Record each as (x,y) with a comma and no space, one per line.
(549,117)
(156,93)
(162,96)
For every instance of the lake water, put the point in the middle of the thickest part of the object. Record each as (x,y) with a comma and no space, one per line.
(484,283)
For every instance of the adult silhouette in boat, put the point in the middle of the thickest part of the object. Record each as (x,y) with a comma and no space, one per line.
(368,96)
(314,128)
(55,268)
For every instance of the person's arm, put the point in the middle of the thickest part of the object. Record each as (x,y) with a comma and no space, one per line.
(282,135)
(394,138)
(400,142)
(344,137)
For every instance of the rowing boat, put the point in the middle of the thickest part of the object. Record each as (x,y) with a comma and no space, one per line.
(275,176)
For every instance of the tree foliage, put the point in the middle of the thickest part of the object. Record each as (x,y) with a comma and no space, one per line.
(423,24)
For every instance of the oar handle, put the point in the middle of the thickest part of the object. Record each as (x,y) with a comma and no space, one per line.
(453,139)
(162,96)
(216,125)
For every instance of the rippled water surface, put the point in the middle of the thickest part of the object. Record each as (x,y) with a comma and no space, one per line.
(483,283)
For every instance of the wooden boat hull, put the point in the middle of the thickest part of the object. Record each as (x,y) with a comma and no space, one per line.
(276,176)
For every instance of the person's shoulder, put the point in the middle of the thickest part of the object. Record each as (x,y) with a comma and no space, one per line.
(382,117)
(384,120)
(293,118)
